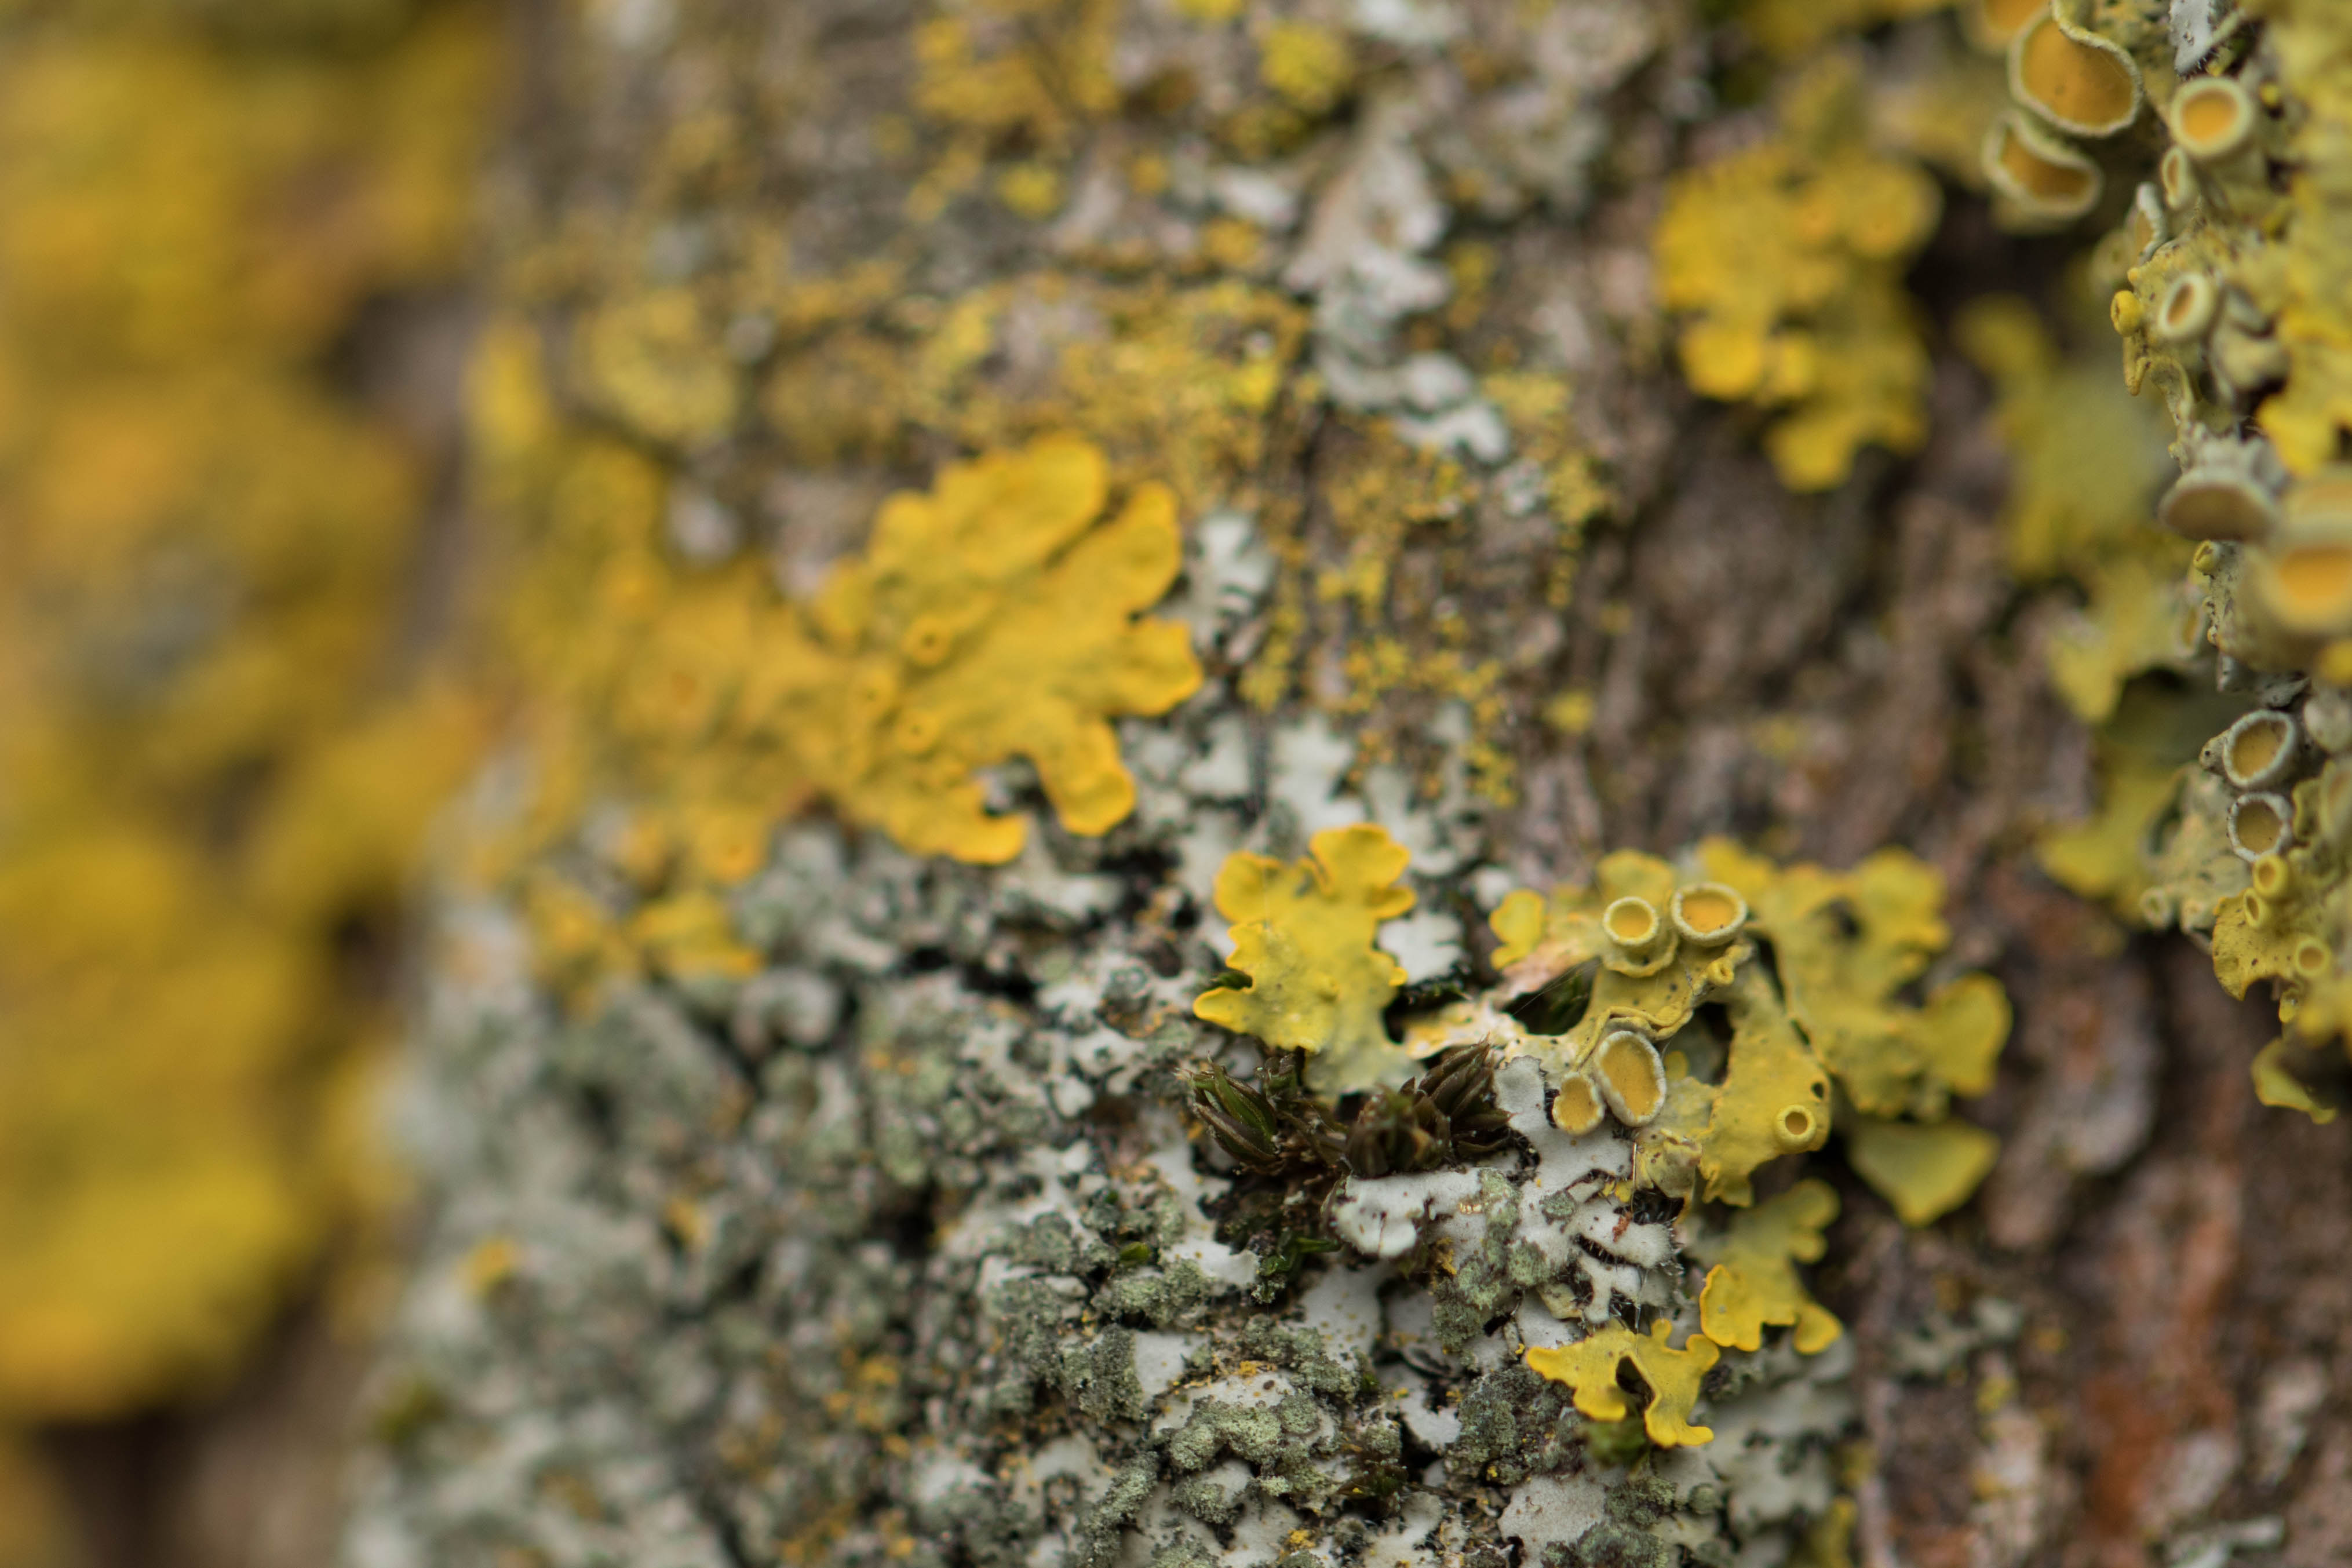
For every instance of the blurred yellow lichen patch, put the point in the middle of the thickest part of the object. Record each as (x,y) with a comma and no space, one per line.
(1311,67)
(2157,847)
(1925,1172)
(996,615)
(222,749)
(1306,934)
(2085,459)
(1785,262)
(1753,1281)
(1014,75)
(1676,1378)
(1519,922)
(2104,856)
(653,360)
(2310,416)
(1032,69)
(170,197)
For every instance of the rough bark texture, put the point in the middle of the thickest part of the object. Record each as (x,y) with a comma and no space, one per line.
(892,1248)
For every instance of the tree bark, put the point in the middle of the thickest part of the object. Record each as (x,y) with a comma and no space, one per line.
(868,1254)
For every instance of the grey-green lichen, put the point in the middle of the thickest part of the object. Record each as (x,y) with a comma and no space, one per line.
(899,1250)
(839,1204)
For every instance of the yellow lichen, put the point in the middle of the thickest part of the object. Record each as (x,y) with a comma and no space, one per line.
(2085,462)
(1027,71)
(491,1262)
(690,935)
(1519,922)
(2073,78)
(1676,1376)
(1846,948)
(1845,945)
(1625,1069)
(1405,637)
(1771,1097)
(1774,1099)
(1306,934)
(2228,279)
(708,706)
(1785,261)
(1019,81)
(1032,190)
(1176,383)
(1754,1281)
(2280,1071)
(653,360)
(221,750)
(2157,847)
(1309,65)
(995,617)
(2309,418)
(1925,1172)
(1829,1541)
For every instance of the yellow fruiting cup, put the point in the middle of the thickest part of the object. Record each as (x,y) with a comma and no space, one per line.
(1708,914)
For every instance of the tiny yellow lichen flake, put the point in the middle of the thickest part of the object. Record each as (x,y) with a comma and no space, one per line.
(1754,1280)
(993,618)
(1675,1376)
(1305,935)
(2281,1068)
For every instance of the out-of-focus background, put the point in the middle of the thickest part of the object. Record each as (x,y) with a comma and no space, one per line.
(230,334)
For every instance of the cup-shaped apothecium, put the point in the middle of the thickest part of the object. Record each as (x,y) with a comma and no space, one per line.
(1708,913)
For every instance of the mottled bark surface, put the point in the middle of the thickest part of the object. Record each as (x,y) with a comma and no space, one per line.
(2177,1245)
(2131,1343)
